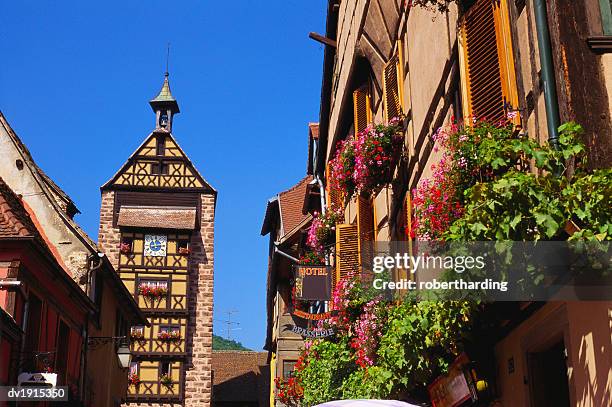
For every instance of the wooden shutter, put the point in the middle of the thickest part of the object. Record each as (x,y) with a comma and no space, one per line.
(366,230)
(347,250)
(361,108)
(392,85)
(334,196)
(487,61)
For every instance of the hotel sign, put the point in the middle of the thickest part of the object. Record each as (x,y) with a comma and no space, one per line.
(313,283)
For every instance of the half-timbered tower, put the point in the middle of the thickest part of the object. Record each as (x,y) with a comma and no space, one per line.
(157,227)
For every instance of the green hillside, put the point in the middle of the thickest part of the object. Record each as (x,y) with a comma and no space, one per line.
(220,343)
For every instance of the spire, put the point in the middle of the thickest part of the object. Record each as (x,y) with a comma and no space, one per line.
(164,97)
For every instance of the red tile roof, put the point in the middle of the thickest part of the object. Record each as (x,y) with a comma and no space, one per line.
(291,203)
(14,218)
(240,376)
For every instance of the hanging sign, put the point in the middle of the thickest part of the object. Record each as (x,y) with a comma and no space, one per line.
(312,283)
(312,333)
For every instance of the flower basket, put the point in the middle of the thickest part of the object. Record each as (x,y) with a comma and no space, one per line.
(377,152)
(152,292)
(184,251)
(166,380)
(133,379)
(342,167)
(312,259)
(322,231)
(125,248)
(171,336)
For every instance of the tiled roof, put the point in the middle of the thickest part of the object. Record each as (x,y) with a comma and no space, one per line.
(157,217)
(240,376)
(291,203)
(14,219)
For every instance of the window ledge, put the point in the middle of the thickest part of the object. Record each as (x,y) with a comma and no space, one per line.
(600,43)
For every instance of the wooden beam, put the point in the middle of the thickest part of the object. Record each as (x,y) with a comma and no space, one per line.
(322,39)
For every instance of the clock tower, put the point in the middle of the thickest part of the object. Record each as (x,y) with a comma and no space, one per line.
(157,228)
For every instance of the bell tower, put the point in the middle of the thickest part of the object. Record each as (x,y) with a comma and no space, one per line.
(157,228)
(165,106)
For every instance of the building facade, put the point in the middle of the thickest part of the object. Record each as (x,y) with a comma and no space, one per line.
(157,228)
(483,59)
(79,259)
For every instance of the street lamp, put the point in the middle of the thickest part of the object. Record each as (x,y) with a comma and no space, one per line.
(124,354)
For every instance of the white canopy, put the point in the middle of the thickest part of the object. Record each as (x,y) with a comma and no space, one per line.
(366,403)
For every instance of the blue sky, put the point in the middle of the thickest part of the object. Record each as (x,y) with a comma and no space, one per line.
(76,77)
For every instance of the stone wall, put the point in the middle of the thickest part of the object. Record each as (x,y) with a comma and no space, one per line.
(198,380)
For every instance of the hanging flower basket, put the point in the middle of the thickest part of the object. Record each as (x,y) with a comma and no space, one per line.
(125,248)
(312,259)
(342,167)
(133,379)
(152,292)
(377,152)
(184,251)
(322,231)
(166,380)
(171,336)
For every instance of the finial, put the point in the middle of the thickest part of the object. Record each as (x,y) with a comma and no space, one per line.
(167,60)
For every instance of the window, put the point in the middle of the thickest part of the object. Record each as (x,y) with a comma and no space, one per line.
(164,368)
(159,168)
(606,16)
(288,366)
(32,333)
(366,229)
(134,368)
(61,356)
(487,62)
(347,250)
(335,198)
(361,108)
(392,85)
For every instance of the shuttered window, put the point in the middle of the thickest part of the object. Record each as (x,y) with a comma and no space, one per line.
(366,230)
(487,61)
(334,196)
(362,108)
(347,250)
(392,85)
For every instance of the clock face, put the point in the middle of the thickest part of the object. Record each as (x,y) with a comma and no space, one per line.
(155,245)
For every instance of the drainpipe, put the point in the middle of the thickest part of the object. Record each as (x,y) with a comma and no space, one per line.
(282,253)
(315,152)
(85,332)
(547,73)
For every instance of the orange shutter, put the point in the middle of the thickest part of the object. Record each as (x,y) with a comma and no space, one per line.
(347,250)
(361,108)
(366,230)
(488,62)
(334,196)
(392,85)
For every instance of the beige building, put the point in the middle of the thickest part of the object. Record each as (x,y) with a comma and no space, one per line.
(480,58)
(157,228)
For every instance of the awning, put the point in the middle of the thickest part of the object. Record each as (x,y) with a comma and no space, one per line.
(183,218)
